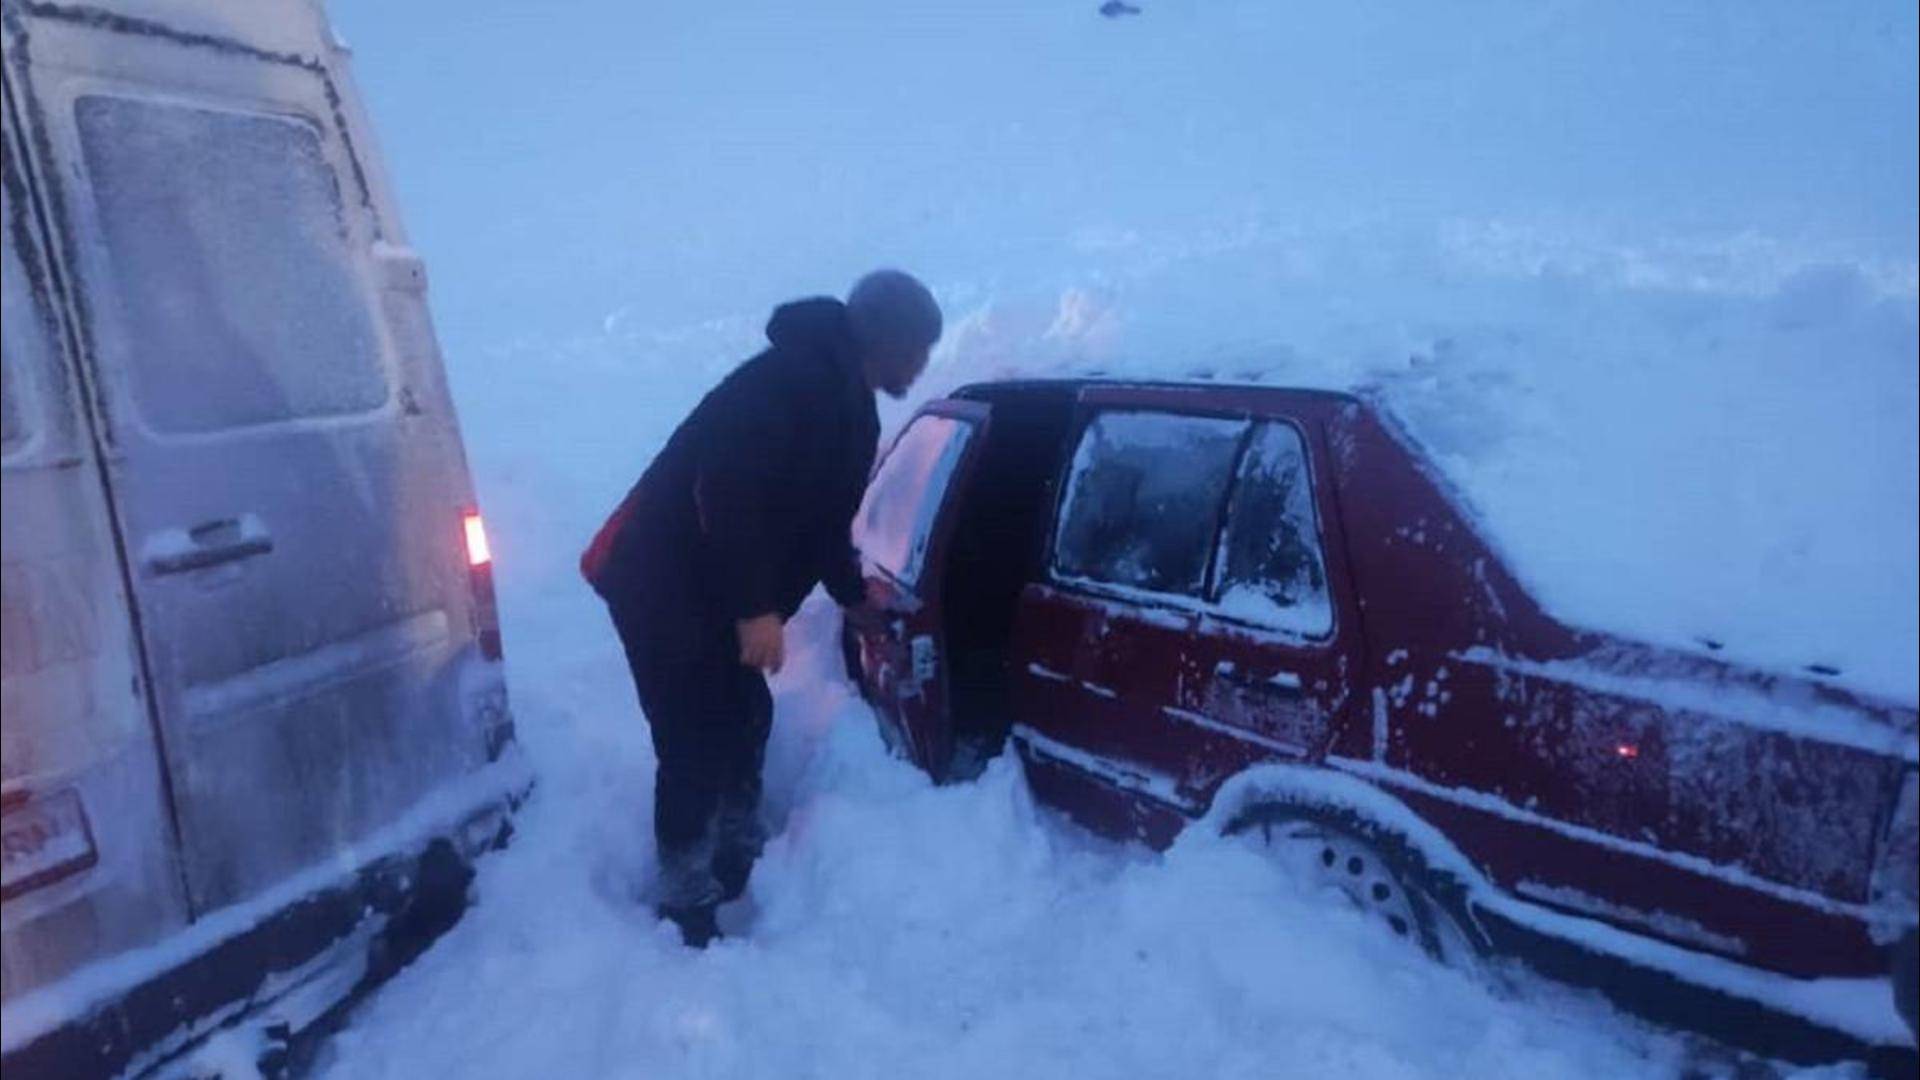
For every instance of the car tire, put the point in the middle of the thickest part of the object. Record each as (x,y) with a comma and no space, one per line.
(1375,869)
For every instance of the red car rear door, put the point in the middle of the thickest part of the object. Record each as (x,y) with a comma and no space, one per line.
(1271,669)
(1101,643)
(1197,616)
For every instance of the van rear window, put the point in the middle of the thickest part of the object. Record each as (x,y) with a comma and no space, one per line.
(1143,500)
(23,338)
(236,288)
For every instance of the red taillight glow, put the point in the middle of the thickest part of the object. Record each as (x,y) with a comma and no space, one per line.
(478,553)
(486,615)
(1627,750)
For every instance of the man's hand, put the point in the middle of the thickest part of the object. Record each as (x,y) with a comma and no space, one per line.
(763,643)
(865,617)
(871,614)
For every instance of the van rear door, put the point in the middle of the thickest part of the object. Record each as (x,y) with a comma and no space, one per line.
(290,497)
(902,530)
(87,859)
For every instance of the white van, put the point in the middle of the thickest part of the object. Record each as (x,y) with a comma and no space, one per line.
(255,721)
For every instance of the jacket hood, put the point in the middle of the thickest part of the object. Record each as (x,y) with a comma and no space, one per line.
(816,325)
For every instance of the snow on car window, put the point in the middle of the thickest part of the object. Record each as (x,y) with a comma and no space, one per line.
(1272,571)
(1143,500)
(227,239)
(896,517)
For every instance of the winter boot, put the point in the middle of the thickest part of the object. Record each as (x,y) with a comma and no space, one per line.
(731,868)
(738,842)
(697,925)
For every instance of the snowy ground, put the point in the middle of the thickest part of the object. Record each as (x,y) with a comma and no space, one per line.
(1645,283)
(899,929)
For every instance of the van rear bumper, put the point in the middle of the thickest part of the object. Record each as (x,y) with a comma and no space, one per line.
(288,960)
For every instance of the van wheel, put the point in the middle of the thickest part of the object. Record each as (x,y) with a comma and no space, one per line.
(1374,870)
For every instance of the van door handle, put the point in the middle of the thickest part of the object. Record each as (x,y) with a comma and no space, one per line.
(178,551)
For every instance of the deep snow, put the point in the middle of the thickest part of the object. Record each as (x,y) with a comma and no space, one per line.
(1644,280)
(903,929)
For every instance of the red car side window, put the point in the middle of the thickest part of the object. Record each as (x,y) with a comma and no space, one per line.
(1272,571)
(1143,500)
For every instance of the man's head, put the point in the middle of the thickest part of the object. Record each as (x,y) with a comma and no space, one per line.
(894,322)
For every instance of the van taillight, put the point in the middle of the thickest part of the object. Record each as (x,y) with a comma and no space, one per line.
(478,554)
(486,612)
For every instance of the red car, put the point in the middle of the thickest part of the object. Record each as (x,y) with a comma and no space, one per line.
(1263,609)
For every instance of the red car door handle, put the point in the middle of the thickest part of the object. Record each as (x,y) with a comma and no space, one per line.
(1282,685)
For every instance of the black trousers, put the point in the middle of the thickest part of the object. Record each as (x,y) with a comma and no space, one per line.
(710,717)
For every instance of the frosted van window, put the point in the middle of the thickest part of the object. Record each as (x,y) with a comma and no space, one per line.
(230,250)
(23,339)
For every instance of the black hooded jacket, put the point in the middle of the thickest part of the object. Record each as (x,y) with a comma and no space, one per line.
(750,503)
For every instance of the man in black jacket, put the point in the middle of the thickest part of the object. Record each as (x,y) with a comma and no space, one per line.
(744,511)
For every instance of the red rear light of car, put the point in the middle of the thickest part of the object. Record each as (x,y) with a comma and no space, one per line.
(486,612)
